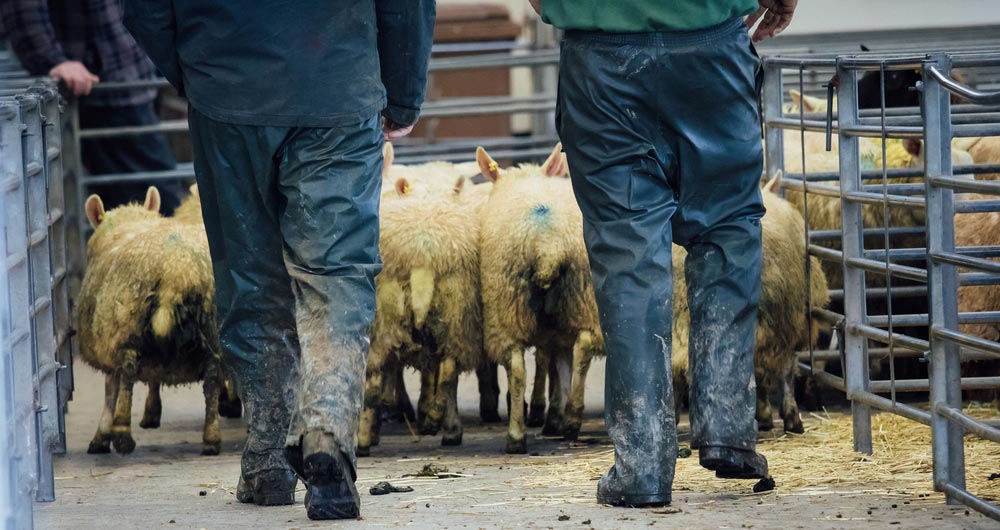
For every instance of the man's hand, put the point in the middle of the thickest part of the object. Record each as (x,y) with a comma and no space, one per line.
(536,5)
(392,131)
(75,75)
(777,15)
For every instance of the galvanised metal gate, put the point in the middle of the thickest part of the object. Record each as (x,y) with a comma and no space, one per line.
(36,309)
(894,231)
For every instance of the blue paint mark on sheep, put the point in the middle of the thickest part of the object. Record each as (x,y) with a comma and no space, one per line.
(540,213)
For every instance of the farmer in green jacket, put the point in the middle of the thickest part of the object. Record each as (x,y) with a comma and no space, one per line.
(658,113)
(289,105)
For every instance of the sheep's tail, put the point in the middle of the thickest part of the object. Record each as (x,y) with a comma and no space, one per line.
(547,268)
(421,294)
(164,319)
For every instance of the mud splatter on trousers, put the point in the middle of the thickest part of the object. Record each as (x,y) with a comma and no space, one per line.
(662,135)
(292,221)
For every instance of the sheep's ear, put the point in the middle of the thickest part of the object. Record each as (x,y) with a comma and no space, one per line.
(402,186)
(796,97)
(913,146)
(95,210)
(388,155)
(489,167)
(555,165)
(774,184)
(152,199)
(459,184)
(193,190)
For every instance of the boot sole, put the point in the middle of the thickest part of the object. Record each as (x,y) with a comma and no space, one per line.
(635,501)
(725,469)
(323,473)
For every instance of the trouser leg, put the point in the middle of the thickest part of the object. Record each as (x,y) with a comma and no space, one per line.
(610,138)
(710,102)
(237,182)
(331,180)
(128,154)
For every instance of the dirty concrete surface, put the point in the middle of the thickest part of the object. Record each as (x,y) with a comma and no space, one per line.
(166,483)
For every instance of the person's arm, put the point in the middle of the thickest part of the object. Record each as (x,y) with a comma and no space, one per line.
(33,39)
(152,24)
(405,35)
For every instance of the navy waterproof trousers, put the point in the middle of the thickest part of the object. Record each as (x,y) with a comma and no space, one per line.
(662,135)
(292,221)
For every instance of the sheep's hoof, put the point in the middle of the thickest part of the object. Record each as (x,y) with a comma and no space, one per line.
(376,438)
(451,439)
(123,442)
(794,425)
(149,423)
(765,424)
(428,427)
(536,415)
(516,447)
(553,427)
(571,433)
(363,451)
(211,448)
(231,409)
(490,416)
(99,447)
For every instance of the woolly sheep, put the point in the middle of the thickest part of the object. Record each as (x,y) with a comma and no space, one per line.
(145,313)
(428,311)
(536,286)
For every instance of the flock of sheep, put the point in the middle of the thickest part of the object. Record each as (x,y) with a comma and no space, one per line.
(474,276)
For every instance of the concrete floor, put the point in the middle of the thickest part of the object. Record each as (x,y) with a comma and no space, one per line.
(165,483)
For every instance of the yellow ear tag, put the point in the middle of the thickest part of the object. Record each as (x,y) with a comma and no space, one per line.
(406,189)
(494,167)
(100,218)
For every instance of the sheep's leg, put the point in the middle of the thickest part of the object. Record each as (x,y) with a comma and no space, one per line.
(536,410)
(230,405)
(425,414)
(121,428)
(560,369)
(433,414)
(582,355)
(789,408)
(402,409)
(765,421)
(101,443)
(368,430)
(211,437)
(154,408)
(448,402)
(516,442)
(489,392)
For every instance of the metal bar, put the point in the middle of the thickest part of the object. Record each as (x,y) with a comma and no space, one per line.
(824,378)
(108,132)
(870,265)
(771,101)
(183,171)
(977,206)
(972,186)
(852,226)
(969,93)
(947,444)
(921,253)
(969,341)
(918,291)
(968,262)
(968,423)
(881,335)
(887,405)
(922,385)
(868,232)
(960,494)
(874,174)
(878,199)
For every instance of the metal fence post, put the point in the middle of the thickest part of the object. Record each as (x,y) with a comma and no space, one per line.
(22,433)
(852,231)
(774,137)
(945,372)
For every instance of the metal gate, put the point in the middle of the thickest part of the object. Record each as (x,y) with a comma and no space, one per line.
(36,313)
(870,244)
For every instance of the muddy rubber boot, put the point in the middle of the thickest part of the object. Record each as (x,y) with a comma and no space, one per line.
(329,478)
(611,491)
(272,487)
(733,463)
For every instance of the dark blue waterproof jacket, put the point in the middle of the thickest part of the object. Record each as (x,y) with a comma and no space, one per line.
(291,63)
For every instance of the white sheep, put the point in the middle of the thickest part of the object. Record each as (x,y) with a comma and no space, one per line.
(146,313)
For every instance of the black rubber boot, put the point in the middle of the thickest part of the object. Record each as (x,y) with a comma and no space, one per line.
(329,478)
(611,492)
(733,463)
(273,487)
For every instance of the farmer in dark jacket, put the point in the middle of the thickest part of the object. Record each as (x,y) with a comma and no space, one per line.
(658,111)
(289,105)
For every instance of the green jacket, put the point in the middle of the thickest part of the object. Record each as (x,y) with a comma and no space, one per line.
(635,16)
(307,63)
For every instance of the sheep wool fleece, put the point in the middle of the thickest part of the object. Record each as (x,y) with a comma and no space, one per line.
(662,135)
(292,220)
